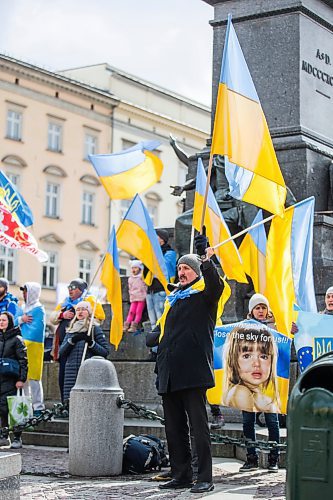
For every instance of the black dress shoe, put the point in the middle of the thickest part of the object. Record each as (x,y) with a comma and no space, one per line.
(176,485)
(202,487)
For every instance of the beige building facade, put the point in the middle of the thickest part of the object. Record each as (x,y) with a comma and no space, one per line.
(49,123)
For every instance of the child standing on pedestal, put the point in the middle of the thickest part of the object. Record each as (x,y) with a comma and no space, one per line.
(137,292)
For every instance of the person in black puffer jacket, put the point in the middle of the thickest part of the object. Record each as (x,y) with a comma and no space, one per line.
(11,346)
(72,347)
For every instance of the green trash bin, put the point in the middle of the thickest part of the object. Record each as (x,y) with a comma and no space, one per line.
(310,433)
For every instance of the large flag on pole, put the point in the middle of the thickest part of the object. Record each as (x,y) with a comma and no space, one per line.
(110,277)
(216,228)
(136,235)
(14,235)
(253,253)
(289,264)
(241,134)
(14,201)
(129,172)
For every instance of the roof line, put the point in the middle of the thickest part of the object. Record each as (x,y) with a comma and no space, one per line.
(146,83)
(59,76)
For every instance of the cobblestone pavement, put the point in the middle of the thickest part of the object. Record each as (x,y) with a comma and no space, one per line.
(45,476)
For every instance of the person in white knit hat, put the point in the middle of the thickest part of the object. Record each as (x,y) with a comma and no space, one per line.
(260,311)
(329,301)
(137,290)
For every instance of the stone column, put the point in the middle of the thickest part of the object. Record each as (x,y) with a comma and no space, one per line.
(96,424)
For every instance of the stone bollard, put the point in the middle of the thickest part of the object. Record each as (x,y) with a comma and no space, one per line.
(96,424)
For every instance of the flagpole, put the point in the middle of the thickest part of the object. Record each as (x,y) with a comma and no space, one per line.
(209,173)
(89,328)
(96,272)
(244,231)
(192,240)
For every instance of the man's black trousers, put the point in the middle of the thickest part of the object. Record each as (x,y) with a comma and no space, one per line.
(179,408)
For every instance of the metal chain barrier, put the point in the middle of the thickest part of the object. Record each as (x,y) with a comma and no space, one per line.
(143,412)
(140,411)
(58,410)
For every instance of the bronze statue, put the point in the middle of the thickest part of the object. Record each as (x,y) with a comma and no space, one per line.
(237,213)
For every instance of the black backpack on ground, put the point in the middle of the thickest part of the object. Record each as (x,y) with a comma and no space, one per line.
(143,453)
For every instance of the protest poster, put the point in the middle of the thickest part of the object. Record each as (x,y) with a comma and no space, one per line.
(251,367)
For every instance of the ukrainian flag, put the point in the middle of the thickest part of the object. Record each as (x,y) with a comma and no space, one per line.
(242,135)
(289,264)
(253,253)
(110,277)
(136,235)
(129,172)
(216,228)
(14,201)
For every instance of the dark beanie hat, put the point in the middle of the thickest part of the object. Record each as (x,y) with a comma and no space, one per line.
(193,261)
(4,282)
(79,283)
(163,234)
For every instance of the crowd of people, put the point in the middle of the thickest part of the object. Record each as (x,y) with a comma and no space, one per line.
(182,337)
(78,336)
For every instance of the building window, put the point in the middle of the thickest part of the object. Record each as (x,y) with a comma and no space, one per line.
(182,172)
(52,200)
(152,203)
(153,212)
(50,271)
(7,261)
(124,206)
(88,202)
(127,144)
(85,270)
(54,137)
(90,145)
(14,125)
(14,179)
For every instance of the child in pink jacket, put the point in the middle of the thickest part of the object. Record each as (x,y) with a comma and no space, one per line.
(137,293)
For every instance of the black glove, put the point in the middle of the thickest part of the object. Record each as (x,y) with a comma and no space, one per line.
(200,243)
(82,336)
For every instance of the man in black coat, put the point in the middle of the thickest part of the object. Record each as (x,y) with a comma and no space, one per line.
(185,365)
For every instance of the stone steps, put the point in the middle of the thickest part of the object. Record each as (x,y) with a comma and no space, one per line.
(55,433)
(10,468)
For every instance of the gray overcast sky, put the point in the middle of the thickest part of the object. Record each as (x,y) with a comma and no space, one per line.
(168,42)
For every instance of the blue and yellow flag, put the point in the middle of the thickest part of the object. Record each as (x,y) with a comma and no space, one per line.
(14,201)
(253,253)
(216,228)
(289,264)
(136,235)
(242,135)
(110,277)
(129,172)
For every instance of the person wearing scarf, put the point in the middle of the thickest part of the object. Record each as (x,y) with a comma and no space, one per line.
(328,301)
(72,348)
(63,315)
(259,310)
(32,323)
(185,365)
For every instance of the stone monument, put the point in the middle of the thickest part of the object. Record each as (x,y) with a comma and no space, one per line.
(288,46)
